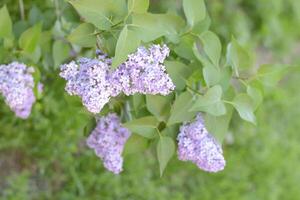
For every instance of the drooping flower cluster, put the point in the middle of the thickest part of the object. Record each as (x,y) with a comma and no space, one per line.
(144,72)
(95,82)
(16,85)
(108,140)
(89,79)
(197,145)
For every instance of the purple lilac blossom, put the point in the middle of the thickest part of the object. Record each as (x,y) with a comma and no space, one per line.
(89,79)
(144,72)
(108,140)
(195,144)
(16,85)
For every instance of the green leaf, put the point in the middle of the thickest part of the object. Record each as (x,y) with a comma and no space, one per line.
(178,72)
(135,144)
(212,46)
(165,150)
(211,102)
(180,109)
(211,73)
(102,13)
(271,74)
(159,106)
(184,47)
(145,126)
(194,11)
(152,26)
(138,6)
(5,23)
(218,125)
(127,43)
(30,38)
(238,57)
(60,52)
(256,96)
(83,35)
(244,105)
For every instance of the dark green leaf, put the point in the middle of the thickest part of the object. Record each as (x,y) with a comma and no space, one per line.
(165,150)
(135,144)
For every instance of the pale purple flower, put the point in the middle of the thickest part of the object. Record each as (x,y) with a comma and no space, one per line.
(16,85)
(195,144)
(95,82)
(90,80)
(144,72)
(108,140)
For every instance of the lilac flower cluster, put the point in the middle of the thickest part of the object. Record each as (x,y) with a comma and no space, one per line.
(144,72)
(16,85)
(89,79)
(95,82)
(108,140)
(197,145)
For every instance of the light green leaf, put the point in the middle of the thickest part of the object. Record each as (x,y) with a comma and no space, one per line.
(145,126)
(60,52)
(159,106)
(256,96)
(29,39)
(184,47)
(180,109)
(83,35)
(127,43)
(244,105)
(102,13)
(212,46)
(178,72)
(211,73)
(152,26)
(135,144)
(238,57)
(270,74)
(138,6)
(165,150)
(5,23)
(211,102)
(218,125)
(194,11)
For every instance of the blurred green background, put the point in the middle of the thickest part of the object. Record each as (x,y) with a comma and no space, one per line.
(45,157)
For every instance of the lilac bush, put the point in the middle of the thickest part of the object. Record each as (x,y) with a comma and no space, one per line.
(108,140)
(16,85)
(197,145)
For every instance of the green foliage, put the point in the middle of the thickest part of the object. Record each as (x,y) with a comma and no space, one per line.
(165,150)
(221,83)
